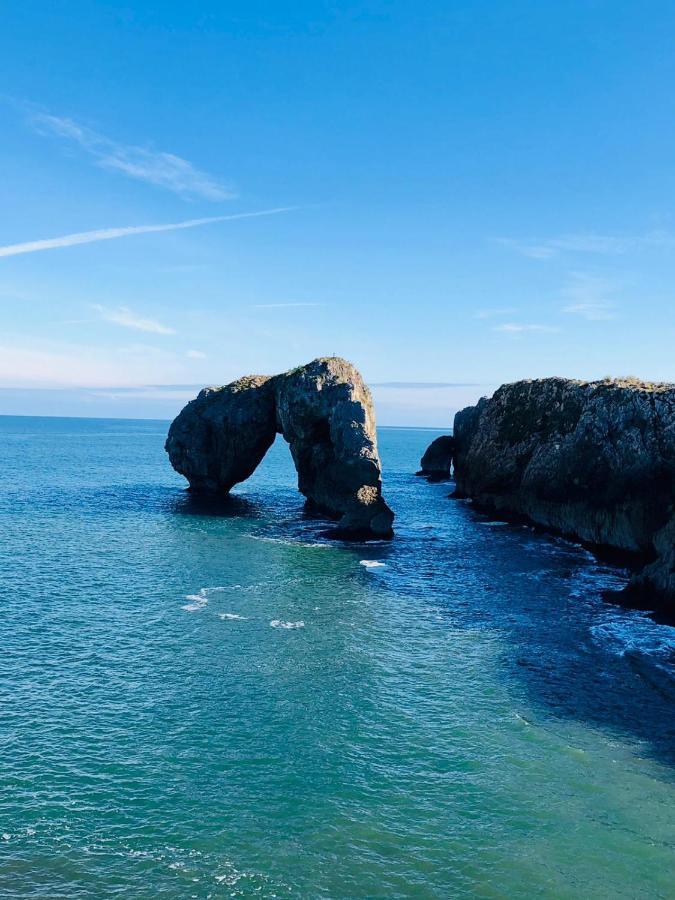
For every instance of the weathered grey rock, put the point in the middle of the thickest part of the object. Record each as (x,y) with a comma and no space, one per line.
(592,460)
(325,412)
(437,460)
(219,438)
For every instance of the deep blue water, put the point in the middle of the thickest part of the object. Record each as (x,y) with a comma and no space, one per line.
(212,700)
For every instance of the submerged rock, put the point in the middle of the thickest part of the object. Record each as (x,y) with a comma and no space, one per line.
(323,410)
(593,461)
(437,460)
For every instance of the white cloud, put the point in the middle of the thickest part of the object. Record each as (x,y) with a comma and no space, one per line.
(519,328)
(590,243)
(195,354)
(282,305)
(155,167)
(496,312)
(107,234)
(123,316)
(57,364)
(594,312)
(588,296)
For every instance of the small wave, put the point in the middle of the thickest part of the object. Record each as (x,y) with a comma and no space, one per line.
(636,633)
(288,543)
(232,616)
(197,601)
(196,606)
(372,564)
(540,574)
(277,623)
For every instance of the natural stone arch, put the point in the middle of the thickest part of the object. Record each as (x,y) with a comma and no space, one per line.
(325,413)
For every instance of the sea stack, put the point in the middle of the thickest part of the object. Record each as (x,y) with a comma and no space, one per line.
(436,463)
(323,410)
(594,461)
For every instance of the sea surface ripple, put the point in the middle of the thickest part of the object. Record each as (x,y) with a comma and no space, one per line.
(213,700)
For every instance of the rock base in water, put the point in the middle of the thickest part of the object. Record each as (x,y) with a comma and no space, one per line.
(436,464)
(594,461)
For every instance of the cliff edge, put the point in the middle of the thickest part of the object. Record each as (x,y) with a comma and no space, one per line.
(594,461)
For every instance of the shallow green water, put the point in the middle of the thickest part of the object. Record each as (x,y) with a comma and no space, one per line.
(468,719)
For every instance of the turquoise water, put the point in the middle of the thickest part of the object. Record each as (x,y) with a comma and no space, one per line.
(201,701)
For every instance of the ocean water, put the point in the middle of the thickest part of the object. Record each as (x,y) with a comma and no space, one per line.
(204,700)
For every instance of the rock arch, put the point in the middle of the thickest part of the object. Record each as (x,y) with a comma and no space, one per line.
(325,413)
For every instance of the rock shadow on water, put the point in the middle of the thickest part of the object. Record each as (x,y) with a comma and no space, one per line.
(570,653)
(223,506)
(593,661)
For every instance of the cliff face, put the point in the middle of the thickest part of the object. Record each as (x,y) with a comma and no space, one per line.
(323,410)
(592,460)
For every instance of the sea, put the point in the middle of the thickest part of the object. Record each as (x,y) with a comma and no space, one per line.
(213,699)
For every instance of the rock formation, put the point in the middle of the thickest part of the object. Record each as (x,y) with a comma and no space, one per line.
(437,460)
(594,461)
(325,412)
(220,437)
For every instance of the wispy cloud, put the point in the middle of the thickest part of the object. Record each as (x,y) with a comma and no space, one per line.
(588,296)
(123,316)
(53,364)
(282,305)
(589,243)
(423,385)
(520,328)
(195,354)
(496,312)
(107,234)
(164,170)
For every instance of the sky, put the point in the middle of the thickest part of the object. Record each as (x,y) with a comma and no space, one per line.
(451,195)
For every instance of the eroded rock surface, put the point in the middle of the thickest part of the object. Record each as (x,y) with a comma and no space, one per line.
(221,436)
(323,410)
(592,460)
(437,460)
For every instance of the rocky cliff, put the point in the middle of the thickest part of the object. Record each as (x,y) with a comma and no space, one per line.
(594,461)
(323,410)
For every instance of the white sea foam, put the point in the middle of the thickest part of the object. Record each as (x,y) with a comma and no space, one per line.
(288,543)
(197,601)
(231,616)
(636,633)
(277,623)
(372,564)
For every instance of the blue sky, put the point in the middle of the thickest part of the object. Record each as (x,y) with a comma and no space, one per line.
(455,194)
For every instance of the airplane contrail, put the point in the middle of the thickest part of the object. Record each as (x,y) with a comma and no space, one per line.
(108,234)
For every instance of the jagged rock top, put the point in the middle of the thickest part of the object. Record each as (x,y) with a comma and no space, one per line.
(627,382)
